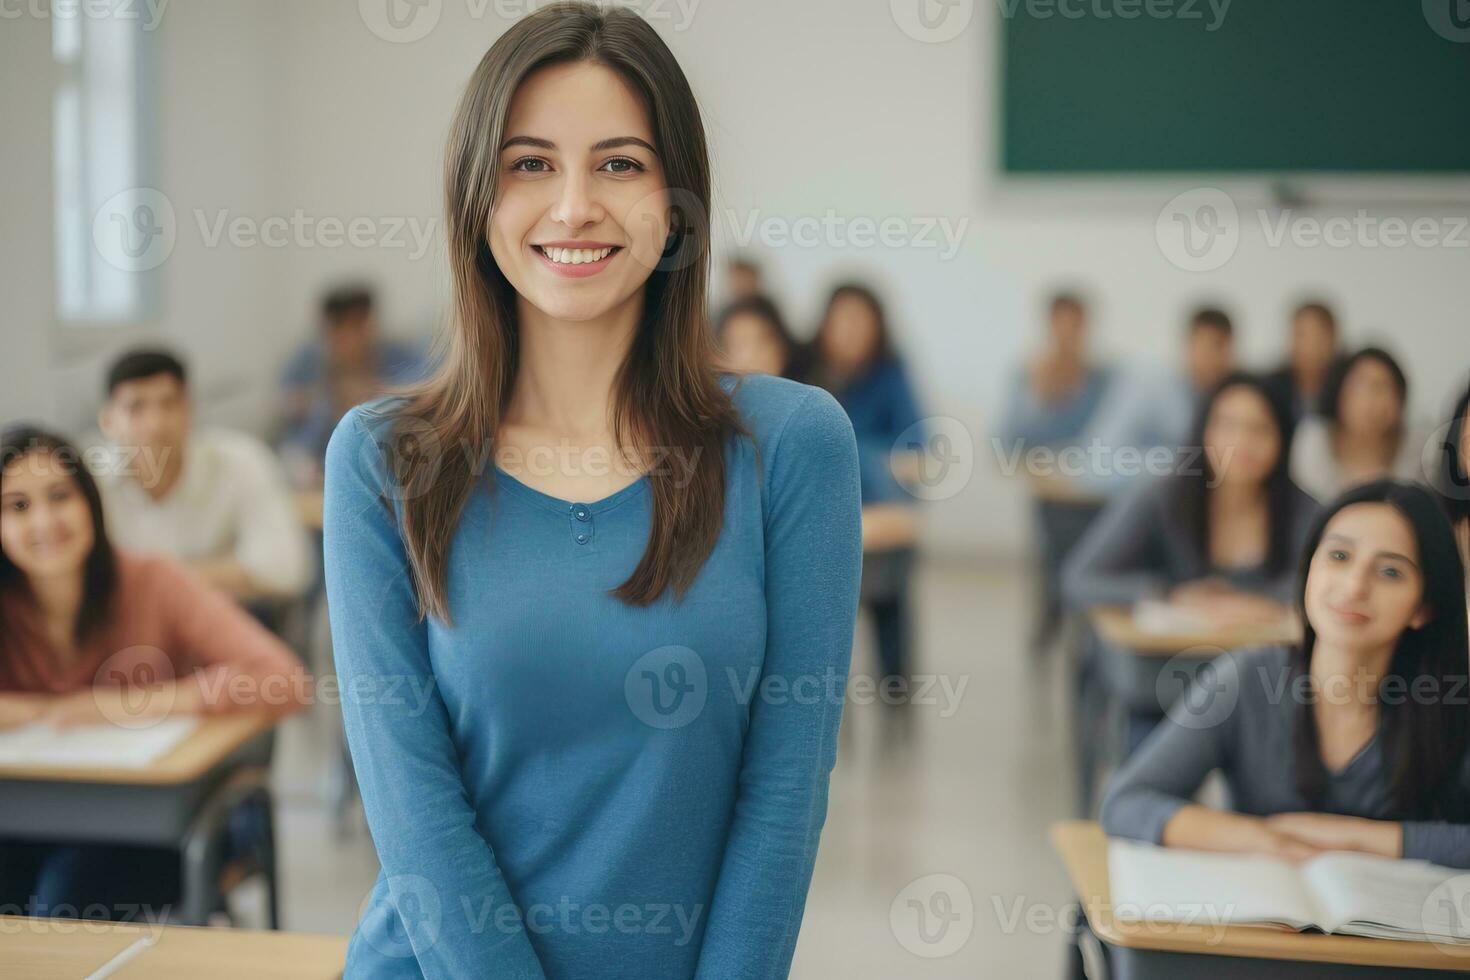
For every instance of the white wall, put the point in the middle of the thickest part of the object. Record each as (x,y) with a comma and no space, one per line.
(811,108)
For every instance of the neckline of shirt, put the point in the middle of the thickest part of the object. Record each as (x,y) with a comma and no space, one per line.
(562,506)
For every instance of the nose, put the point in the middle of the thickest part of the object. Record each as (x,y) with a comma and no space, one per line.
(577,205)
(1359,580)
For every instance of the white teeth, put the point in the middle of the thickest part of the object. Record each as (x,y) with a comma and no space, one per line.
(575,256)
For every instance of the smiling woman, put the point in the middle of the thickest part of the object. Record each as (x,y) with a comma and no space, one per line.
(594,786)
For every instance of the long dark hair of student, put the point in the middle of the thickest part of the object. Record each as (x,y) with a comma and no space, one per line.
(99,574)
(1454,481)
(1192,484)
(667,393)
(1423,742)
(1337,376)
(882,345)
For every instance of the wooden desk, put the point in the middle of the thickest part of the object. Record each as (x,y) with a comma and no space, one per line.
(1149,949)
(201,751)
(154,805)
(1115,625)
(43,949)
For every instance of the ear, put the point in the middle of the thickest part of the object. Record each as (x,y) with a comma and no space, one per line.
(103,414)
(1422,616)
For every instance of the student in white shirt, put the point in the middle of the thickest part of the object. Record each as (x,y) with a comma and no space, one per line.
(213,498)
(1362,432)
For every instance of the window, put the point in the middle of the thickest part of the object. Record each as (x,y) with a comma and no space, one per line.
(112,231)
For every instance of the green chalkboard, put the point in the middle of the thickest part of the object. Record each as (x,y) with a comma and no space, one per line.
(1260,86)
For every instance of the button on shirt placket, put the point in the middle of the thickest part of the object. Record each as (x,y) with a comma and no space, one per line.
(581,524)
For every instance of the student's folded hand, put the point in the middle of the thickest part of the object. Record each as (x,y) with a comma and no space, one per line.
(1285,847)
(1332,832)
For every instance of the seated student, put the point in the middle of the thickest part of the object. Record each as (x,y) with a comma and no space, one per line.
(89,635)
(753,338)
(1221,536)
(346,364)
(1362,432)
(1150,414)
(1355,740)
(852,356)
(214,498)
(1051,400)
(1299,382)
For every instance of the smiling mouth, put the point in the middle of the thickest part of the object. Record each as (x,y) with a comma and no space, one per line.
(576,256)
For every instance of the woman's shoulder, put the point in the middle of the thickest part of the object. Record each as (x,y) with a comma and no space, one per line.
(143,571)
(795,421)
(363,435)
(769,407)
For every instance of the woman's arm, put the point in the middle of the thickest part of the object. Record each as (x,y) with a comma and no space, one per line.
(224,660)
(239,664)
(1153,789)
(1117,561)
(422,823)
(813,564)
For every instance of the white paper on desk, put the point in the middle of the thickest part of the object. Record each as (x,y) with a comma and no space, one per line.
(1338,892)
(1160,617)
(92,746)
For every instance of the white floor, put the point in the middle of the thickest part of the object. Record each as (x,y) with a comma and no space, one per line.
(934,862)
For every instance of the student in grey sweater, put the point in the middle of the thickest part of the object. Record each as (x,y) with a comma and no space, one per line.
(1354,741)
(1221,534)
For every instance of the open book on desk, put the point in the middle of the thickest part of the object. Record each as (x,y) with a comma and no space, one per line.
(93,746)
(1338,892)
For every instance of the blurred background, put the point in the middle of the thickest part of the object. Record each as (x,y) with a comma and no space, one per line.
(964,161)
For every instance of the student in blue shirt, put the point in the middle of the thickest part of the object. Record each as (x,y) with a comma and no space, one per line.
(592,604)
(853,357)
(1051,399)
(347,363)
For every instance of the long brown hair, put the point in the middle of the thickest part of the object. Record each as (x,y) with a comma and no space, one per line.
(667,395)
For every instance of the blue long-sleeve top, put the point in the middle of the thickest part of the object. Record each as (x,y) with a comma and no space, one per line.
(1239,717)
(881,404)
(1027,419)
(564,786)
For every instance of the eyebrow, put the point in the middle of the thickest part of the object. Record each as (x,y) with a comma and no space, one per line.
(1382,554)
(611,143)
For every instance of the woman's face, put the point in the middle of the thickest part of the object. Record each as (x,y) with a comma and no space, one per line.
(1364,585)
(45,522)
(581,216)
(851,333)
(1241,438)
(751,345)
(1369,404)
